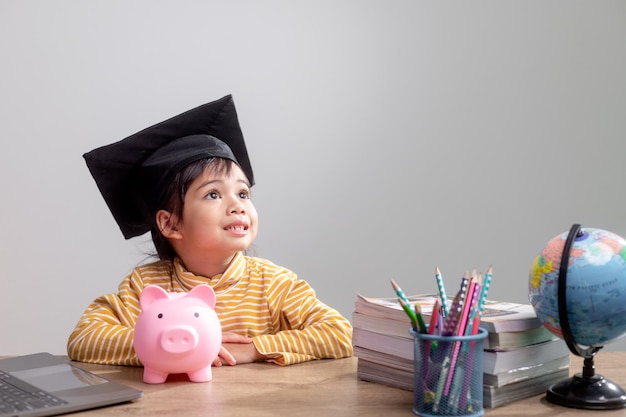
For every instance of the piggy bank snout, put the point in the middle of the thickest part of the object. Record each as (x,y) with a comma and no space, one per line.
(179,339)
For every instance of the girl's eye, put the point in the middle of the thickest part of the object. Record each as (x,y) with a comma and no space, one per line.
(244,195)
(213,195)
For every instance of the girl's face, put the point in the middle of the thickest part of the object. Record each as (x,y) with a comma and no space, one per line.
(218,215)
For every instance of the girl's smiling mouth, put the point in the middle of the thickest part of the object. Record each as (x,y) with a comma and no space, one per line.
(237,228)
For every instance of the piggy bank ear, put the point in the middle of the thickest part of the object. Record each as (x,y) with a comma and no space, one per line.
(204,293)
(150,294)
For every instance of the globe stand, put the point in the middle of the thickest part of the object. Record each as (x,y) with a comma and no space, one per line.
(587,390)
(584,390)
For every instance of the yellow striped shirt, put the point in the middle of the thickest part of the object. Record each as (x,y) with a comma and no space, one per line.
(255,298)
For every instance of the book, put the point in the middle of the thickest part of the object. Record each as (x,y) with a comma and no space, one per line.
(401,347)
(497,396)
(497,316)
(382,325)
(508,317)
(518,351)
(389,308)
(502,340)
(494,361)
(384,359)
(498,361)
(493,396)
(512,340)
(391,363)
(393,377)
(527,372)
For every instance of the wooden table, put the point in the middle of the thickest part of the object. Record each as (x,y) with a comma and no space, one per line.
(320,388)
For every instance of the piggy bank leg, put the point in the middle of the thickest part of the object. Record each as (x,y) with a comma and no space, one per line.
(201,375)
(153,376)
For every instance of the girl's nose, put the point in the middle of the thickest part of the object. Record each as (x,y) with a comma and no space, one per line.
(237,207)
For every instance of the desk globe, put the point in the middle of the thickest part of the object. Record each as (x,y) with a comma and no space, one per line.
(578,290)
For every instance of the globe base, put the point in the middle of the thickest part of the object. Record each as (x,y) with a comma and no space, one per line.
(587,392)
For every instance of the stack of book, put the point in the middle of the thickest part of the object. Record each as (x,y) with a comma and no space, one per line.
(520,358)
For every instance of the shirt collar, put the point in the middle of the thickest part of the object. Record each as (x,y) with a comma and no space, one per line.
(220,283)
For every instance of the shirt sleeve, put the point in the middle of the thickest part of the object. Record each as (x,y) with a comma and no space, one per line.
(104,333)
(309,328)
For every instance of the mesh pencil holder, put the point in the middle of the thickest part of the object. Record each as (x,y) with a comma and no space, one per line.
(448,379)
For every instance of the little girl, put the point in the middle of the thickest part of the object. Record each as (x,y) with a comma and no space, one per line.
(187,180)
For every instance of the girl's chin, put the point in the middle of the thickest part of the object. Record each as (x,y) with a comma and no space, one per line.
(241,246)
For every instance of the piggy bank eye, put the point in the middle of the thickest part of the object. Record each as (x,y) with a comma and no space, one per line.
(196,315)
(160,315)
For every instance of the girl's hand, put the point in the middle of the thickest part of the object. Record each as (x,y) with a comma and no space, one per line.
(236,349)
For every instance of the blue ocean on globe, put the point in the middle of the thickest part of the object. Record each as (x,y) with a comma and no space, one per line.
(596,286)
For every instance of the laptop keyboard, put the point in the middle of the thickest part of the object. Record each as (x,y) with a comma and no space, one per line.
(17,396)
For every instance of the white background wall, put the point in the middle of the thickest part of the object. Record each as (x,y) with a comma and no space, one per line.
(387,137)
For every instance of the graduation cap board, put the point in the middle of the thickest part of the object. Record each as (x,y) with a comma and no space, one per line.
(133,173)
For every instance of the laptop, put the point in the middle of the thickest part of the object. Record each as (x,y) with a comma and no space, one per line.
(42,384)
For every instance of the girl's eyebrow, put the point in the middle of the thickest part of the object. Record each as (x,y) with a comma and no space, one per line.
(216,180)
(208,183)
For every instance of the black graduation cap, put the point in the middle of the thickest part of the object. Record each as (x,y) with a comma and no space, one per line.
(132,174)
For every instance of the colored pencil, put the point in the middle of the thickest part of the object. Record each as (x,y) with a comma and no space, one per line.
(460,331)
(474,306)
(420,320)
(453,318)
(399,291)
(409,312)
(434,318)
(485,290)
(442,292)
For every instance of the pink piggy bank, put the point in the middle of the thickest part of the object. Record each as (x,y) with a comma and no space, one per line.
(177,333)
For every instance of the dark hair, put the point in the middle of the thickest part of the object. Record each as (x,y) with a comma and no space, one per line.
(174,198)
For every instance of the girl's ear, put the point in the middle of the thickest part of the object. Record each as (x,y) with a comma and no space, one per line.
(167,224)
